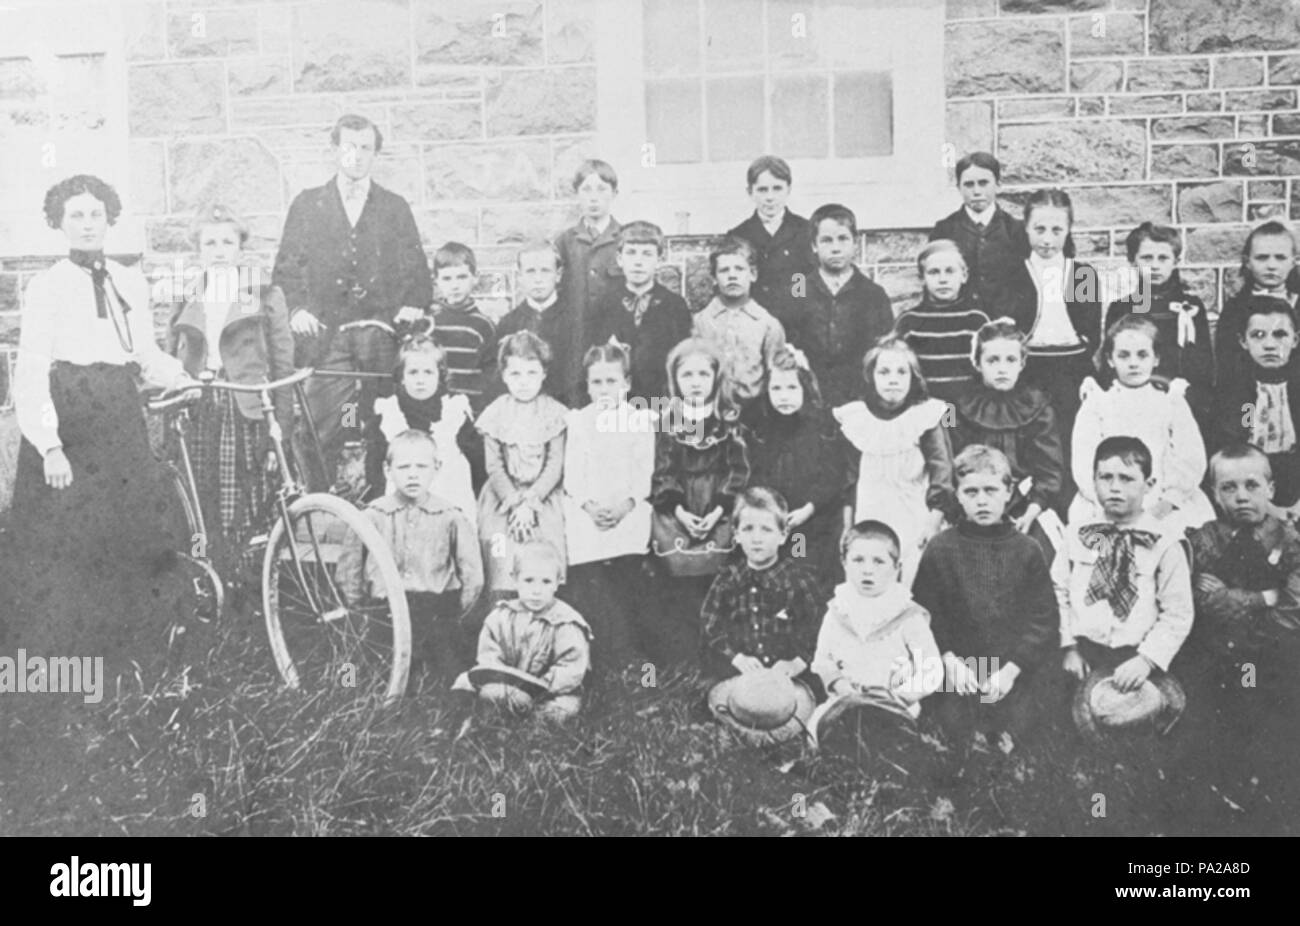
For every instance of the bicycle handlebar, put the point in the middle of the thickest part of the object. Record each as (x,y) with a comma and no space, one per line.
(292,379)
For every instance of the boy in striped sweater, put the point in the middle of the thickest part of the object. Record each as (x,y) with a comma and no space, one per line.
(466,335)
(941,328)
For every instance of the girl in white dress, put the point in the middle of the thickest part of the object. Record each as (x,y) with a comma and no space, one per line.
(905,472)
(1137,405)
(609,460)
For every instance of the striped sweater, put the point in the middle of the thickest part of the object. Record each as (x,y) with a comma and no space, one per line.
(942,337)
(469,339)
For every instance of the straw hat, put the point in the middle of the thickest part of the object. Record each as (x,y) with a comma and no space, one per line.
(1101,709)
(861,721)
(530,684)
(762,708)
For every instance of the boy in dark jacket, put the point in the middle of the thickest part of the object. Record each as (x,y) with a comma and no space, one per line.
(546,315)
(644,314)
(991,239)
(992,607)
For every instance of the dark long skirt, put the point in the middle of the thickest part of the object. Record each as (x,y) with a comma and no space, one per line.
(87,560)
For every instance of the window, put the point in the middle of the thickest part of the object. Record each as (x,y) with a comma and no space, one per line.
(725,78)
(62,112)
(850,92)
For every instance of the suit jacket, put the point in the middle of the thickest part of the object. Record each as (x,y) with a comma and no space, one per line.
(666,322)
(555,327)
(992,253)
(836,331)
(780,256)
(1082,291)
(342,274)
(256,346)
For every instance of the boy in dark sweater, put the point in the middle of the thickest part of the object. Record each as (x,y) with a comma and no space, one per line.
(991,239)
(465,334)
(839,315)
(643,314)
(992,607)
(544,314)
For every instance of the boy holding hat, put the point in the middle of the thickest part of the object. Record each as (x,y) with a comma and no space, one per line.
(760,616)
(1124,591)
(533,651)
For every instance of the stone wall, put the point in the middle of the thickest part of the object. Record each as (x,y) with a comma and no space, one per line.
(1182,111)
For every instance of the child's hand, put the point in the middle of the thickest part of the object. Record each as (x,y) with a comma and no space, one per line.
(790,667)
(615,513)
(710,521)
(1209,583)
(58,471)
(744,664)
(800,515)
(1162,509)
(1026,520)
(960,677)
(1131,674)
(689,522)
(1075,664)
(900,676)
(407,313)
(999,685)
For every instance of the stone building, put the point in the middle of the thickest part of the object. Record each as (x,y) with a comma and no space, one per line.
(1182,111)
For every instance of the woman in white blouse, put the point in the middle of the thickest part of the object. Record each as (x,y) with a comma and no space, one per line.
(90,505)
(233,325)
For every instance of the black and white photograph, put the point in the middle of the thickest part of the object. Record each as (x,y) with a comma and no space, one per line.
(651,418)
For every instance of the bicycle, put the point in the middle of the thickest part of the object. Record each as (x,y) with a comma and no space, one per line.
(325,629)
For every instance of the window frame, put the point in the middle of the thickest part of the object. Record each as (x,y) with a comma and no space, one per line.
(909,188)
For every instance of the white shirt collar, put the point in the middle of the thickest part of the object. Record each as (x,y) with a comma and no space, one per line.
(545,304)
(981,218)
(597,230)
(346,183)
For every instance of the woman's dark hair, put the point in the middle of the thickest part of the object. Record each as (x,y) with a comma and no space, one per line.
(1061,200)
(59,194)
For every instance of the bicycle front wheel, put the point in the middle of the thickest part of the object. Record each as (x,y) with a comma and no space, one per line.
(335,607)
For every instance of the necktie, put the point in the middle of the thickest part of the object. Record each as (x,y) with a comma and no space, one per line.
(100,280)
(1112,577)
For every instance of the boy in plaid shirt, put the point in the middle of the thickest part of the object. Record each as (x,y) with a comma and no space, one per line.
(762,613)
(1124,589)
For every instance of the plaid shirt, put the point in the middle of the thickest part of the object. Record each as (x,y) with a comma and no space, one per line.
(1248,560)
(771,614)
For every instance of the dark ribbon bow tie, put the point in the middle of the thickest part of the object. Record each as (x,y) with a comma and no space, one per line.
(1113,576)
(94,262)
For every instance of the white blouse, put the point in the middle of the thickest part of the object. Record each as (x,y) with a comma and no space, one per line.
(59,324)
(1053,327)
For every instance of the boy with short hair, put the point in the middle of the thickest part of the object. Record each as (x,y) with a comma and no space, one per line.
(992,607)
(1124,589)
(645,315)
(1263,407)
(542,312)
(781,238)
(537,634)
(992,240)
(1246,584)
(436,550)
(743,332)
(762,613)
(874,636)
(588,251)
(466,335)
(838,315)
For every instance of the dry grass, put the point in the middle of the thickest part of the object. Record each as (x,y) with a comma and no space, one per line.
(212,745)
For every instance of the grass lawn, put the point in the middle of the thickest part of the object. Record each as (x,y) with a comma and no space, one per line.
(211,744)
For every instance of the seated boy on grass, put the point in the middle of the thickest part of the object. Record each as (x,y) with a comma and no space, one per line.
(762,613)
(543,644)
(992,607)
(1124,589)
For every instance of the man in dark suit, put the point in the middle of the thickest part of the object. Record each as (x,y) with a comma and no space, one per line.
(350,251)
(992,241)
